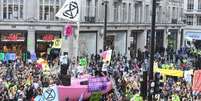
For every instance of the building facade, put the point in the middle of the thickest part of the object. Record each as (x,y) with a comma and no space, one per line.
(192,11)
(31,25)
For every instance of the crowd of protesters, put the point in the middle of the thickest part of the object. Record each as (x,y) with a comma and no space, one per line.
(23,81)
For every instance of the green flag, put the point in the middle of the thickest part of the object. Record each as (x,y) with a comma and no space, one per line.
(2,56)
(83,62)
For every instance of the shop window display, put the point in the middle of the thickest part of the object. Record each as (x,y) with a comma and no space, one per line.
(13,41)
(44,41)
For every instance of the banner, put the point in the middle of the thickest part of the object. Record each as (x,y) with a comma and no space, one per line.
(83,62)
(50,94)
(57,43)
(106,55)
(197,81)
(10,56)
(2,56)
(170,72)
(97,84)
(70,11)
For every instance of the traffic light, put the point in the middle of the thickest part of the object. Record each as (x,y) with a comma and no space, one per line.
(158,84)
(143,83)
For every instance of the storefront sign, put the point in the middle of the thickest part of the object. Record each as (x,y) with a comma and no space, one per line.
(48,37)
(193,35)
(12,37)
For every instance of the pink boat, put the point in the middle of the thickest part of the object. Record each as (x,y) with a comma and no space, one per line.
(74,91)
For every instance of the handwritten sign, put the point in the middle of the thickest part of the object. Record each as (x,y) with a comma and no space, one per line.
(97,84)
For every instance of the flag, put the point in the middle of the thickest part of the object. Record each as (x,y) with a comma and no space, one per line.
(51,94)
(70,11)
(57,43)
(83,62)
(68,30)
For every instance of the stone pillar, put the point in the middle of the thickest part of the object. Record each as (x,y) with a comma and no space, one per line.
(100,40)
(31,40)
(165,37)
(128,44)
(141,39)
(178,39)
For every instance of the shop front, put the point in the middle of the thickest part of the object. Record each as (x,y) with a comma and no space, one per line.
(44,41)
(13,41)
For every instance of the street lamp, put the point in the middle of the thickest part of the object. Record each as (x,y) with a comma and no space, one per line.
(152,47)
(105,24)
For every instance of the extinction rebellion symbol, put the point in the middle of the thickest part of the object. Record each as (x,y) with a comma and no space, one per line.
(49,95)
(72,10)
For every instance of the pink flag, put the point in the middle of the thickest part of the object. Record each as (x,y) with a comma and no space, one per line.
(68,30)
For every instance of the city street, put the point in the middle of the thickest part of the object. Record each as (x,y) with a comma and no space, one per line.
(100,50)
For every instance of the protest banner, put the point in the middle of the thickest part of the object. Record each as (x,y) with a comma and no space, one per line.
(97,84)
(10,56)
(57,43)
(196,81)
(170,72)
(2,56)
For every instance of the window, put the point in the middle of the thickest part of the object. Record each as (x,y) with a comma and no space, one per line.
(129,13)
(48,9)
(13,9)
(199,5)
(189,19)
(115,11)
(147,14)
(199,20)
(190,5)
(124,12)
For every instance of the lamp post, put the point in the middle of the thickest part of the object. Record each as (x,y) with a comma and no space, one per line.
(105,24)
(152,47)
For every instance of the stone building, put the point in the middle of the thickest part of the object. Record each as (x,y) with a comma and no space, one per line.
(129,25)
